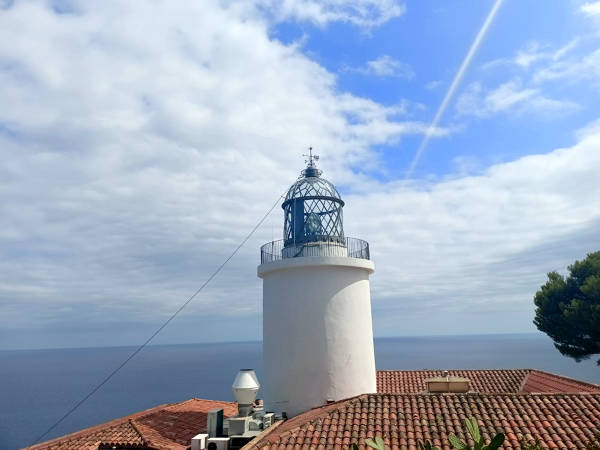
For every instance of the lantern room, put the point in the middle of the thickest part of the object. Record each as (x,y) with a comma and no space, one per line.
(312,210)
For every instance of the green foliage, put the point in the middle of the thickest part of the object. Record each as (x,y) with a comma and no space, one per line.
(568,309)
(457,443)
(473,430)
(380,445)
(377,445)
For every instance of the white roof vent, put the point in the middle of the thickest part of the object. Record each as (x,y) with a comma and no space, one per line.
(245,387)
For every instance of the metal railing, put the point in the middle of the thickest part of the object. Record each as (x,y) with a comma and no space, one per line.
(349,247)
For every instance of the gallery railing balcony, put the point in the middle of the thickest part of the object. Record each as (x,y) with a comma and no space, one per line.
(345,247)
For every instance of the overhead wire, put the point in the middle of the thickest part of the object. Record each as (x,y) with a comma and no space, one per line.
(141,347)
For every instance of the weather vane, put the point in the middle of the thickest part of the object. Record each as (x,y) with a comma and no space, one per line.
(311,158)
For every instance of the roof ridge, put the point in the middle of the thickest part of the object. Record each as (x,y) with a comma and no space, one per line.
(194,399)
(524,381)
(133,425)
(148,436)
(210,400)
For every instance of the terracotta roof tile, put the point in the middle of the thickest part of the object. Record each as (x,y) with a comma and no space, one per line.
(489,381)
(169,427)
(566,421)
(413,381)
(538,381)
(175,426)
(91,437)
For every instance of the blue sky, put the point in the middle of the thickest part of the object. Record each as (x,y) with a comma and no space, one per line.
(423,49)
(142,141)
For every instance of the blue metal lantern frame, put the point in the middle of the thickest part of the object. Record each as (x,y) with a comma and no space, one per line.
(313,211)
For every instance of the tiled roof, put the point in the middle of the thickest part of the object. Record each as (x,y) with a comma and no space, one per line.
(564,421)
(168,427)
(538,381)
(488,381)
(398,413)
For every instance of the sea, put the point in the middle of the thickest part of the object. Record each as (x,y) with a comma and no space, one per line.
(37,387)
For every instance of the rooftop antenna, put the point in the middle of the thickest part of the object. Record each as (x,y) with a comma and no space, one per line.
(311,168)
(311,158)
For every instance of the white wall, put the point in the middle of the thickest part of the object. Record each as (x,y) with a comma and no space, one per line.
(317,332)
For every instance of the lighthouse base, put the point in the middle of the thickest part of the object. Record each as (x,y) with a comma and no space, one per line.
(317,332)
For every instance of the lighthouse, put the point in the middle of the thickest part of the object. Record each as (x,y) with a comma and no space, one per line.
(317,327)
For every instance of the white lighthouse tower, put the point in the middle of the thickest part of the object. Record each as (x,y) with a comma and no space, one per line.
(317,329)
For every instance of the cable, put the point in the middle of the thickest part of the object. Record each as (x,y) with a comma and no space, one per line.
(140,348)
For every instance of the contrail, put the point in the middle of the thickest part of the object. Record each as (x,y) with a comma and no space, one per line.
(457,78)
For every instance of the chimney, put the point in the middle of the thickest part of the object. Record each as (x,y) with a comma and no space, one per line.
(447,383)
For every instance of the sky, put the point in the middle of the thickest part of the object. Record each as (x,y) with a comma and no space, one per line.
(141,141)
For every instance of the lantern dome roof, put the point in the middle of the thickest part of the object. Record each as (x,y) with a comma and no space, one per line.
(312,186)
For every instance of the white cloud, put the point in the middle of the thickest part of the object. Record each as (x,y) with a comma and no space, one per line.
(140,146)
(541,67)
(530,54)
(591,130)
(573,62)
(362,13)
(387,66)
(432,85)
(509,97)
(384,66)
(591,9)
(586,67)
(470,252)
(533,53)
